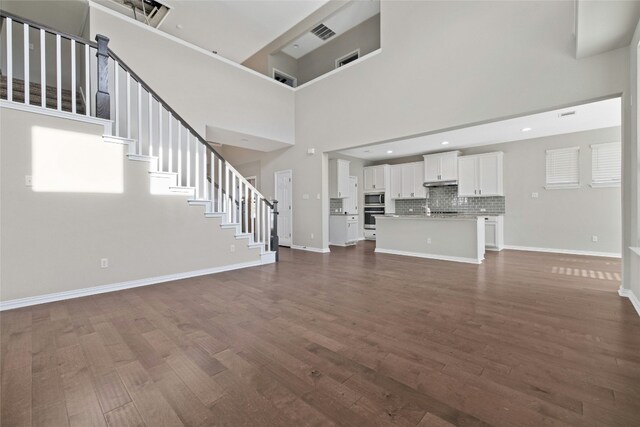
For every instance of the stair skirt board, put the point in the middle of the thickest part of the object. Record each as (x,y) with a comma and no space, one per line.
(107,124)
(267,258)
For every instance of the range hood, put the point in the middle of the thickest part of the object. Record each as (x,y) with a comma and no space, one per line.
(440,183)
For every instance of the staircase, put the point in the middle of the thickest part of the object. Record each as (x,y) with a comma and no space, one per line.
(179,160)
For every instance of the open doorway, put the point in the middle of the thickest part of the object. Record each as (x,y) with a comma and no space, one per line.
(283,189)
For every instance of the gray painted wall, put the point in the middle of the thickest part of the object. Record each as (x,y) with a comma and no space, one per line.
(365,37)
(53,241)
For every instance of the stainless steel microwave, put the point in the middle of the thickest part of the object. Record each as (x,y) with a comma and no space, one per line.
(374,199)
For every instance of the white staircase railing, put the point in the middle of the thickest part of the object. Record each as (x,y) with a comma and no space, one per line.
(154,130)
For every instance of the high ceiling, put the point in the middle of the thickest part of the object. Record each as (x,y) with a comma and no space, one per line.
(595,115)
(235,29)
(604,25)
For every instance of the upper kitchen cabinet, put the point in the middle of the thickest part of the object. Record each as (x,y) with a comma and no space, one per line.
(338,178)
(481,175)
(376,178)
(406,181)
(441,167)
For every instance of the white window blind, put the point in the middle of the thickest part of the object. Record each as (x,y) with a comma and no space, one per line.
(563,168)
(606,164)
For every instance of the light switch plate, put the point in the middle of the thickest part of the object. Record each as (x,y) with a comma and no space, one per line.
(28,180)
(534,195)
(305,196)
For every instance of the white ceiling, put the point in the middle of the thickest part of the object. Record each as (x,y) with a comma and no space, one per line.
(352,15)
(604,25)
(235,29)
(596,115)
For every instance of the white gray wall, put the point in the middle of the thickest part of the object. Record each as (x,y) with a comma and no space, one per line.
(558,219)
(53,241)
(365,37)
(356,168)
(284,63)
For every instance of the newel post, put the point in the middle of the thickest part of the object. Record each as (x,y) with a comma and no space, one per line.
(275,240)
(103,102)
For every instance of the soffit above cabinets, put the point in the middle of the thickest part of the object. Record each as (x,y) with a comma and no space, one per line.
(595,115)
(348,17)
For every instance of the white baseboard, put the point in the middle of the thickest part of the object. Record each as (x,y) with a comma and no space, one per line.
(429,256)
(311,249)
(77,293)
(107,124)
(628,293)
(563,251)
(343,245)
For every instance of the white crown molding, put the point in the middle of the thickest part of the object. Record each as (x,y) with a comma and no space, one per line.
(429,256)
(77,293)
(311,249)
(628,293)
(107,124)
(563,251)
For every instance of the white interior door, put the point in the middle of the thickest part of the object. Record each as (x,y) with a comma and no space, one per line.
(284,185)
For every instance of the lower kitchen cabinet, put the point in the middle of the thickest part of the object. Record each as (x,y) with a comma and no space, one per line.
(343,230)
(494,232)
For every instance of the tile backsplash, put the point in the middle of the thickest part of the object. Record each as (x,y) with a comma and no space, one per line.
(335,204)
(446,199)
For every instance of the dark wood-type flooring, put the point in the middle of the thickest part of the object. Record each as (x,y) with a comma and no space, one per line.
(348,338)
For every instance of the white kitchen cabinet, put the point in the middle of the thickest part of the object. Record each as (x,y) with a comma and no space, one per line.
(494,232)
(343,230)
(338,178)
(406,181)
(441,167)
(481,175)
(375,178)
(350,204)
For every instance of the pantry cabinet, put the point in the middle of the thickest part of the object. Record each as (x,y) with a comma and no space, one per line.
(481,175)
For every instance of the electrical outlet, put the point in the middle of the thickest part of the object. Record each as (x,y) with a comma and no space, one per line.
(104,263)
(232,248)
(483,210)
(410,209)
(28,180)
(594,239)
(31,46)
(534,195)
(311,236)
(428,240)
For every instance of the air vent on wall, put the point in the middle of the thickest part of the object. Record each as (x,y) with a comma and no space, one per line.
(567,114)
(323,32)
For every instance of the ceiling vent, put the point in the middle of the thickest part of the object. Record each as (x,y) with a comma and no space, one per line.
(567,114)
(150,12)
(323,32)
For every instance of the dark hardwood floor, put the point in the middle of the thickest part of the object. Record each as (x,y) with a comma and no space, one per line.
(348,338)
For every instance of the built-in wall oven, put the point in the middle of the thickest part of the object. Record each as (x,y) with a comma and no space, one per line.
(369,216)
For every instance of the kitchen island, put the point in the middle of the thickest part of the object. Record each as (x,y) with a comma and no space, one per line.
(445,237)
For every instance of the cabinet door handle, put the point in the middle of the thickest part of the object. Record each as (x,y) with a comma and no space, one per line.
(475,191)
(374,186)
(479,191)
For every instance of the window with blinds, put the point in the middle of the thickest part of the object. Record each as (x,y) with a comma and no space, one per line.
(563,168)
(606,164)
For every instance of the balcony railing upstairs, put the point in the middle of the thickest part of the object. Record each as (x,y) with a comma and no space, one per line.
(45,68)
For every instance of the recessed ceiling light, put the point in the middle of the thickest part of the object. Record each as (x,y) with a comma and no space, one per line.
(445,142)
(389,151)
(526,129)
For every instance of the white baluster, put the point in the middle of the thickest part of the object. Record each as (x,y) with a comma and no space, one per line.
(43,69)
(204,171)
(87,82)
(269,226)
(9,59)
(265,214)
(73,76)
(160,151)
(59,71)
(128,105)
(150,122)
(258,218)
(139,118)
(220,206)
(212,174)
(170,160)
(246,208)
(179,154)
(226,193)
(26,73)
(188,158)
(196,176)
(234,190)
(116,95)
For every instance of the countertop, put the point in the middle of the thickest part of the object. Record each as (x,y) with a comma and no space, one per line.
(459,217)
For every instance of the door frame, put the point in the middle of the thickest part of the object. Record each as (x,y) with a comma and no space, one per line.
(275,195)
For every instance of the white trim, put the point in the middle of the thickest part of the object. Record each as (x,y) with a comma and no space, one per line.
(605,184)
(561,186)
(346,56)
(107,124)
(563,251)
(77,293)
(273,76)
(628,293)
(183,43)
(275,193)
(344,245)
(311,249)
(429,256)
